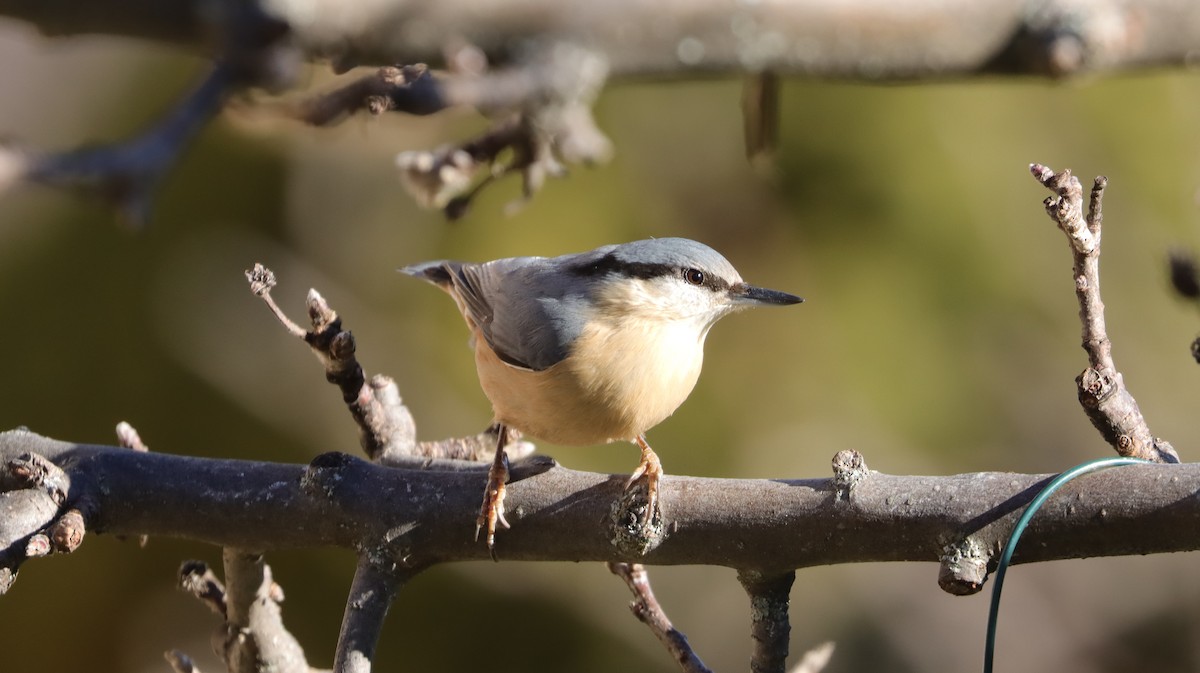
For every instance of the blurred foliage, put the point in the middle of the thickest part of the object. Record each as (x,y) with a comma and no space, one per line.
(940,335)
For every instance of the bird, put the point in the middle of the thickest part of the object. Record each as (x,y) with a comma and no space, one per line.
(593,347)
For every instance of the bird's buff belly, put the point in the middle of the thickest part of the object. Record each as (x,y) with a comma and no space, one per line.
(572,405)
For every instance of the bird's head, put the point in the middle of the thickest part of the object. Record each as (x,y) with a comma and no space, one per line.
(670,279)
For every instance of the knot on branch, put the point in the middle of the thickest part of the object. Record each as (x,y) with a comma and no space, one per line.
(963,568)
(408,88)
(66,534)
(34,471)
(1061,39)
(849,470)
(33,491)
(1096,386)
(325,473)
(634,533)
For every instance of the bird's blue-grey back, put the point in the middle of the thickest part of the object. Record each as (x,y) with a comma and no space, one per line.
(524,307)
(531,309)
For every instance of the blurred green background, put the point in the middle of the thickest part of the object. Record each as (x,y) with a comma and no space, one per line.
(940,336)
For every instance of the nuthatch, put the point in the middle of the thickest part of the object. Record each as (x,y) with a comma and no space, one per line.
(593,347)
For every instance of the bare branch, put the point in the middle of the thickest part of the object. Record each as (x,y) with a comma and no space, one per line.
(128,173)
(829,40)
(253,637)
(649,612)
(544,110)
(32,490)
(386,426)
(770,626)
(426,517)
(1102,392)
(371,594)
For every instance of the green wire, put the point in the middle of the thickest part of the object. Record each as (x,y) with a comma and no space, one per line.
(1022,523)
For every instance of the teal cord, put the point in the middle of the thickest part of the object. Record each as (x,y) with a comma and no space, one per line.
(1006,556)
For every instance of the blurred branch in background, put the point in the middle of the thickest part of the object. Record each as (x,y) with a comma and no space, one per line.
(561,56)
(864,39)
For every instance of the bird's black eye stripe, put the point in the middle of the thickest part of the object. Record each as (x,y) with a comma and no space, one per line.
(611,264)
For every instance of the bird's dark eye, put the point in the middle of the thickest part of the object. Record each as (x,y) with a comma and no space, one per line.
(694,276)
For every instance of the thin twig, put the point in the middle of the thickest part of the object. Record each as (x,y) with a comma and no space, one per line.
(386,426)
(648,611)
(479,448)
(196,578)
(1102,392)
(816,659)
(262,281)
(541,108)
(387,429)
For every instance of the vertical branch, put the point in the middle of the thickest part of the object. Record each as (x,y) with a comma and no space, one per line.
(255,637)
(387,431)
(371,595)
(1102,392)
(769,624)
(386,427)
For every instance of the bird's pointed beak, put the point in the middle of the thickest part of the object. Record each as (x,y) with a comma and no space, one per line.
(748,294)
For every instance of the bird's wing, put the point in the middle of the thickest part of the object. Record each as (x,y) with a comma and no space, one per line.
(528,322)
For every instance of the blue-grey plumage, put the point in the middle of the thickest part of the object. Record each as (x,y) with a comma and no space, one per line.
(593,347)
(525,316)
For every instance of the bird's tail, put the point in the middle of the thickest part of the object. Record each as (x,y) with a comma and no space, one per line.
(437,272)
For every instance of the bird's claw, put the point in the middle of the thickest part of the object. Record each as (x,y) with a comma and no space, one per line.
(651,469)
(491,511)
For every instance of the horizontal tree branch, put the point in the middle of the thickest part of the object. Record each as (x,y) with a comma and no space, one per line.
(424,517)
(858,39)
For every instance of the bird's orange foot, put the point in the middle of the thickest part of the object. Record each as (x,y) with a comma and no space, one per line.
(651,469)
(491,511)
